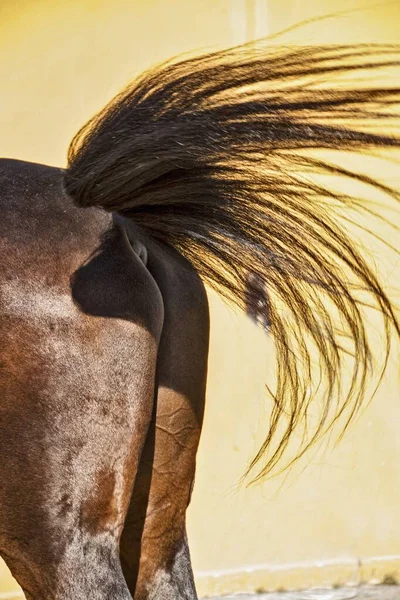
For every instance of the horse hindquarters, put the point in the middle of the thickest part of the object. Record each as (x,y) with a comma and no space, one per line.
(155,528)
(77,396)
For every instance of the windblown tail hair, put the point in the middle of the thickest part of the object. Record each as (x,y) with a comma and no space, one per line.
(217,156)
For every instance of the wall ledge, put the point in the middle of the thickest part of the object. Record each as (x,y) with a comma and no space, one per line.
(299,576)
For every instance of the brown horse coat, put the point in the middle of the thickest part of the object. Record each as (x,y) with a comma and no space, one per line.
(93,344)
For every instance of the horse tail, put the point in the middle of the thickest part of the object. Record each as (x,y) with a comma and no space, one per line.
(219,157)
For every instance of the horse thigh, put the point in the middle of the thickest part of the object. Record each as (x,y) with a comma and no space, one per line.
(77,400)
(154,551)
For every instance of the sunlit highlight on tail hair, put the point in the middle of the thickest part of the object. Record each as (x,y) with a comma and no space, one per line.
(217,156)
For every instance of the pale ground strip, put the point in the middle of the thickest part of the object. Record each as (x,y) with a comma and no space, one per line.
(370,592)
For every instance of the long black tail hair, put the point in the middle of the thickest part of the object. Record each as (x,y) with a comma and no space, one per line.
(219,157)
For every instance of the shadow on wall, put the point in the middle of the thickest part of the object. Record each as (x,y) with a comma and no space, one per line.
(257,301)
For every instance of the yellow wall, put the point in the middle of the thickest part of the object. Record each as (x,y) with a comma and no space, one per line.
(338,520)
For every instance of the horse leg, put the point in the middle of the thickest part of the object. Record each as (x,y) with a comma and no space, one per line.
(154,550)
(77,400)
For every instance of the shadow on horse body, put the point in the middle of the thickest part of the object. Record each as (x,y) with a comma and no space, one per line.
(195,172)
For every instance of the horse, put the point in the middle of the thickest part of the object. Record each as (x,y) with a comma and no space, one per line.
(199,172)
